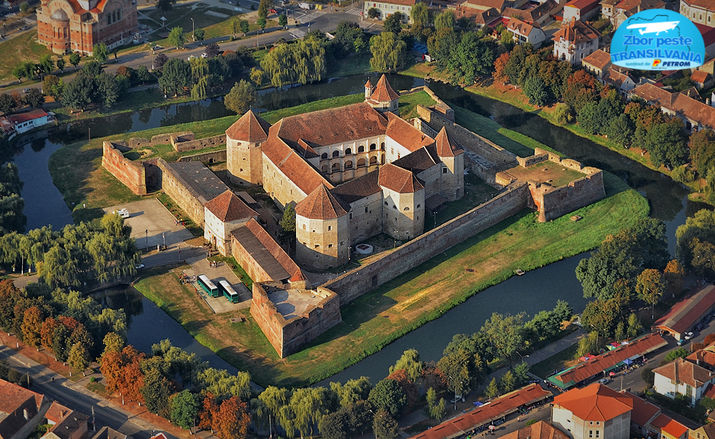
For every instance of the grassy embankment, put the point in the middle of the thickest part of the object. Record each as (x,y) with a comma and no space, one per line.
(560,361)
(76,168)
(18,49)
(423,294)
(515,97)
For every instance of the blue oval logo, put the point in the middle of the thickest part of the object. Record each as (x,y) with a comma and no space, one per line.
(657,39)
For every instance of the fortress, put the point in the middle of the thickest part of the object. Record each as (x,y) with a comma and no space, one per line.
(351,173)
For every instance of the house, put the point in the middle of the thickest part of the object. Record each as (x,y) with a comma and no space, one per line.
(701,79)
(19,123)
(620,79)
(537,430)
(109,433)
(699,11)
(593,412)
(623,9)
(704,357)
(696,115)
(222,215)
(538,15)
(706,431)
(386,8)
(575,41)
(19,409)
(597,63)
(65,423)
(581,10)
(525,32)
(681,377)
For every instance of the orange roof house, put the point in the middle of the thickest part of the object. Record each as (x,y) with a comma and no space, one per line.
(537,430)
(681,377)
(597,62)
(17,407)
(595,402)
(228,207)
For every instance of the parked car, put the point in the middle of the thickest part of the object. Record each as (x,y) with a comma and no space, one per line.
(139,266)
(124,213)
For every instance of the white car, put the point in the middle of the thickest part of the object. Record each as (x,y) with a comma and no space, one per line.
(190,57)
(124,213)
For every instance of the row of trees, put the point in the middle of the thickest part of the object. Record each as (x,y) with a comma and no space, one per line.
(11,203)
(77,255)
(11,102)
(46,66)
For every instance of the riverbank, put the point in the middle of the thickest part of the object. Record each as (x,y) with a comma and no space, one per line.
(409,301)
(514,96)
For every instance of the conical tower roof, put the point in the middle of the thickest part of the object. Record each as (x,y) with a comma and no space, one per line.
(445,146)
(249,128)
(320,204)
(383,91)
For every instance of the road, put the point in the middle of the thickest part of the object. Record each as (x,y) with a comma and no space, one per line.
(75,396)
(323,20)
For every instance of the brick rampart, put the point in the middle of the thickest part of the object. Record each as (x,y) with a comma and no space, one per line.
(131,174)
(359,281)
(487,157)
(188,143)
(205,157)
(553,202)
(288,336)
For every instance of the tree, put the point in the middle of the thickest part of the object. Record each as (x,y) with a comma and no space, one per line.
(373,13)
(620,129)
(60,63)
(676,353)
(240,99)
(198,34)
(78,357)
(436,410)
(352,391)
(263,7)
(79,93)
(388,395)
(634,326)
(335,425)
(34,98)
(384,425)
(388,52)
(283,20)
(471,59)
(159,61)
(107,89)
(393,23)
(500,68)
(157,389)
(700,226)
(7,103)
(100,53)
(504,331)
(588,118)
(588,344)
(455,368)
(243,24)
(440,45)
(308,406)
(666,144)
(176,37)
(703,261)
(444,20)
(536,90)
(24,7)
(409,362)
(492,390)
(650,286)
(75,58)
(113,342)
(175,77)
(52,86)
(261,22)
(59,342)
(31,326)
(184,409)
(602,315)
(419,15)
(581,88)
(702,151)
(164,5)
(209,410)
(507,382)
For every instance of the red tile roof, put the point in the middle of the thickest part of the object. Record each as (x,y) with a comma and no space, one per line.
(599,59)
(249,128)
(28,115)
(399,180)
(581,4)
(13,396)
(520,27)
(406,134)
(383,91)
(596,365)
(576,32)
(643,411)
(228,207)
(497,408)
(57,412)
(295,167)
(683,371)
(446,147)
(710,392)
(321,204)
(499,5)
(699,76)
(595,402)
(670,426)
(704,357)
(684,314)
(538,430)
(707,32)
(707,4)
(400,2)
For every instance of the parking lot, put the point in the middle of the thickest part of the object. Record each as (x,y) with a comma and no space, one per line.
(152,224)
(200,265)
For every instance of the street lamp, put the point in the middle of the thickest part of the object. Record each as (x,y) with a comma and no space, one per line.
(193,29)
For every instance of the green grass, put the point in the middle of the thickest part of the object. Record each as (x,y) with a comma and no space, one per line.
(20,48)
(546,368)
(409,102)
(179,213)
(337,101)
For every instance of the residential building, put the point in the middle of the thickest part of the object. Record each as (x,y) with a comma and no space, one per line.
(706,431)
(619,78)
(109,433)
(78,25)
(66,423)
(575,41)
(537,430)
(581,10)
(701,79)
(699,11)
(593,412)
(538,15)
(691,310)
(704,357)
(525,32)
(623,9)
(597,63)
(389,7)
(20,123)
(681,377)
(20,410)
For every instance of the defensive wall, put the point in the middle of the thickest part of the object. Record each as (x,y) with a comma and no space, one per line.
(205,157)
(159,139)
(131,174)
(487,157)
(359,281)
(551,202)
(288,335)
(187,142)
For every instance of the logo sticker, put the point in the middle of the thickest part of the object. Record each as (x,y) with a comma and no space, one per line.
(657,39)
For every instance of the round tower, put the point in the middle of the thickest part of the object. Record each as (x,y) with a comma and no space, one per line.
(244,158)
(383,97)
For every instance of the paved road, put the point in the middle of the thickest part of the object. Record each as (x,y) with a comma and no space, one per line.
(77,397)
(324,20)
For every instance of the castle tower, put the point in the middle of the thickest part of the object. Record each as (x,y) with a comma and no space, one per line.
(322,230)
(452,157)
(383,97)
(243,148)
(403,210)
(368,89)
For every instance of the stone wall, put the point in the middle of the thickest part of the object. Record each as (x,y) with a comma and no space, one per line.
(205,157)
(183,195)
(487,157)
(159,139)
(131,174)
(359,281)
(288,336)
(189,143)
(553,202)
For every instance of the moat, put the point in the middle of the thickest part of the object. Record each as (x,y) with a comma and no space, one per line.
(535,291)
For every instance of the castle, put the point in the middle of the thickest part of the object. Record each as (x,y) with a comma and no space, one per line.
(351,172)
(78,25)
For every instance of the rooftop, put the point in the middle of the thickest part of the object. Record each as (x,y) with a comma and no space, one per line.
(266,251)
(549,172)
(27,115)
(684,314)
(228,207)
(399,180)
(383,91)
(683,371)
(199,178)
(576,32)
(537,430)
(595,402)
(581,4)
(669,425)
(321,204)
(292,302)
(249,128)
(599,59)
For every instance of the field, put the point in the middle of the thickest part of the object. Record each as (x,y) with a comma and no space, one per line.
(18,49)
(409,102)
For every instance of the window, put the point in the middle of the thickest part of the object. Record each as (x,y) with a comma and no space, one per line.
(418,206)
(336,154)
(444,170)
(590,433)
(330,245)
(303,226)
(365,209)
(406,208)
(373,147)
(597,431)
(382,146)
(324,156)
(348,151)
(348,165)
(361,148)
(330,227)
(317,245)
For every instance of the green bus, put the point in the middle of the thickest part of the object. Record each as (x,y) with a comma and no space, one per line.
(228,291)
(208,286)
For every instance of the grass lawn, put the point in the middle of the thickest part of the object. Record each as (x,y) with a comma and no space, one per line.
(409,102)
(558,362)
(19,49)
(426,292)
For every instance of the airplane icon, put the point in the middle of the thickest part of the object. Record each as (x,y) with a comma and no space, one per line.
(657,28)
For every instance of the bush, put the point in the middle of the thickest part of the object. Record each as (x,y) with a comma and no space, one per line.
(682,174)
(562,113)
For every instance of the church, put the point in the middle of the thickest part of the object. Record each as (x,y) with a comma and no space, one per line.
(351,172)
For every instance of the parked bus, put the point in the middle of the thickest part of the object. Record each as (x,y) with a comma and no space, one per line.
(228,291)
(208,286)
